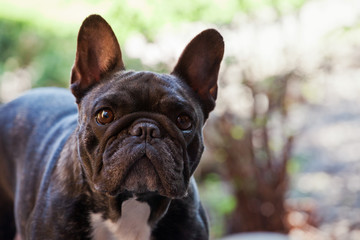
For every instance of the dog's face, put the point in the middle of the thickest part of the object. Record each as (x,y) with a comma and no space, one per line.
(141,131)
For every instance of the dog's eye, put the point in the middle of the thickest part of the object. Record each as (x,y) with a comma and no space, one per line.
(183,122)
(105,116)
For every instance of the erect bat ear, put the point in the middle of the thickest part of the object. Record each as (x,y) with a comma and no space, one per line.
(199,66)
(98,53)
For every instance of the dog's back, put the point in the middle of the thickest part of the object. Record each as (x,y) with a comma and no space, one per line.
(42,115)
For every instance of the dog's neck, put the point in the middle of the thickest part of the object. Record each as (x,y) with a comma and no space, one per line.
(132,225)
(68,169)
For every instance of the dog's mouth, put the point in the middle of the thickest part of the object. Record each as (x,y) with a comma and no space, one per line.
(131,164)
(141,177)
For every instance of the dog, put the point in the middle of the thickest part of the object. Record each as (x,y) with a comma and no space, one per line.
(114,159)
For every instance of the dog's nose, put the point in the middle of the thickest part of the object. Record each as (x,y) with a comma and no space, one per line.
(145,129)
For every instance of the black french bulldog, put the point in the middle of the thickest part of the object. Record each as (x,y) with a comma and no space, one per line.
(118,165)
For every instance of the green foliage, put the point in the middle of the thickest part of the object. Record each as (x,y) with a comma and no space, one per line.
(297,164)
(48,56)
(237,132)
(41,35)
(218,201)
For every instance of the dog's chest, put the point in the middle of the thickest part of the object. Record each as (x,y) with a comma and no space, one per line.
(133,224)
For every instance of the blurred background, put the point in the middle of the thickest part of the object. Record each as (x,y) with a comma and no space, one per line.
(283,145)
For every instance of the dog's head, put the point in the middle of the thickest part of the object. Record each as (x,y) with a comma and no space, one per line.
(141,131)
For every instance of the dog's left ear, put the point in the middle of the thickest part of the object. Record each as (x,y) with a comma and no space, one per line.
(199,66)
(98,53)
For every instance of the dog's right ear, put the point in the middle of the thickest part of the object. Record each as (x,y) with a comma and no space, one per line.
(98,53)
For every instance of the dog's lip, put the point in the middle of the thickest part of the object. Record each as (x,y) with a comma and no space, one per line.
(162,191)
(130,168)
(119,189)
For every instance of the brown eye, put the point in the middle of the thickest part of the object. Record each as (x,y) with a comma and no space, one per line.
(105,116)
(183,122)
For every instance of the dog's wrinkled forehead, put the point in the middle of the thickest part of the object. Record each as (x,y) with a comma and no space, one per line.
(143,91)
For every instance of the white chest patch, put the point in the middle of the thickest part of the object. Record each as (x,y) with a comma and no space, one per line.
(131,226)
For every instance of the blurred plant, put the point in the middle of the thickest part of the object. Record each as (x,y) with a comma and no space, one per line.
(218,201)
(21,45)
(33,57)
(255,157)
